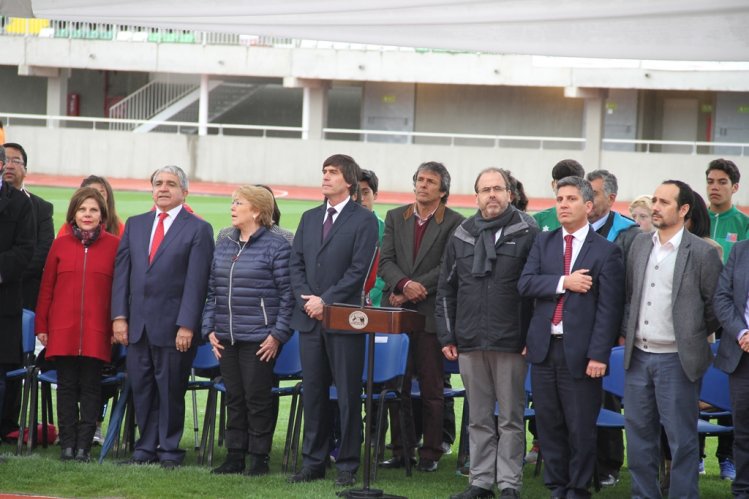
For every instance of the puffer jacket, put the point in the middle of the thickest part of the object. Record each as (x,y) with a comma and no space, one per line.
(249,292)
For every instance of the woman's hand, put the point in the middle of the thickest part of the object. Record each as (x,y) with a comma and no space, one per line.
(43,338)
(217,346)
(268,349)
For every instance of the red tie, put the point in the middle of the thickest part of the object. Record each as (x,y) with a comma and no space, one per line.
(557,317)
(158,236)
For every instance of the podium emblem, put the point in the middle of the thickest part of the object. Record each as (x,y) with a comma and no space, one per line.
(358,319)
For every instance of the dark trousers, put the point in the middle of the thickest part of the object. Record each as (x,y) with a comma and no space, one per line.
(566,413)
(10,405)
(610,444)
(331,358)
(159,377)
(249,401)
(448,415)
(425,362)
(3,369)
(739,385)
(78,400)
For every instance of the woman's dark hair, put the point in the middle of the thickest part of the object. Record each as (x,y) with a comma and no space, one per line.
(276,210)
(113,221)
(700,218)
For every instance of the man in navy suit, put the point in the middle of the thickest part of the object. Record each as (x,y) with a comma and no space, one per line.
(730,306)
(158,294)
(333,248)
(577,279)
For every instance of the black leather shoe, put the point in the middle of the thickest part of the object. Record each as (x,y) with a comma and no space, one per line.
(395,462)
(474,492)
(258,465)
(67,454)
(427,466)
(83,455)
(232,465)
(509,493)
(169,464)
(306,475)
(345,479)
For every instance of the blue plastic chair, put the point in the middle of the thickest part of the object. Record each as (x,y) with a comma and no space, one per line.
(28,345)
(204,362)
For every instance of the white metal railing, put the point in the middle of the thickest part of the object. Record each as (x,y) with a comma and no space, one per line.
(148,101)
(645,146)
(451,138)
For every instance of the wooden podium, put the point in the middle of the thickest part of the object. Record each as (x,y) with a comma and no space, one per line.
(370,320)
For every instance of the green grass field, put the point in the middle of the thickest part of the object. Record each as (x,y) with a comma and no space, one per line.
(43,473)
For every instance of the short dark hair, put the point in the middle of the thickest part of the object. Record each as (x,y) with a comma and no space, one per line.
(685,196)
(582,185)
(567,168)
(371,179)
(724,165)
(82,194)
(700,218)
(349,169)
(276,209)
(519,197)
(21,149)
(439,169)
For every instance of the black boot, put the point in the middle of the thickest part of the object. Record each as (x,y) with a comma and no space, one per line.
(258,465)
(234,463)
(67,454)
(83,455)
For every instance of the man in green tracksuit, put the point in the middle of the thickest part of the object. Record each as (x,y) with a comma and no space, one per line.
(727,227)
(727,224)
(547,219)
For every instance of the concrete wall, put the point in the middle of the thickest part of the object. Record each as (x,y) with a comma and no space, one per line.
(297,162)
(22,94)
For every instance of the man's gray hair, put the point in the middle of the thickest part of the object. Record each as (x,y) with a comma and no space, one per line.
(174,170)
(586,190)
(610,185)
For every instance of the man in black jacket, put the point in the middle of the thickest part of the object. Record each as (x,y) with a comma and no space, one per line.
(482,322)
(16,247)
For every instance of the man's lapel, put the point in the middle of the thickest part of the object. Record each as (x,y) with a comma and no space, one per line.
(682,256)
(339,221)
(171,234)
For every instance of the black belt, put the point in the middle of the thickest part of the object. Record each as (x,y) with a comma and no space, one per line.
(557,336)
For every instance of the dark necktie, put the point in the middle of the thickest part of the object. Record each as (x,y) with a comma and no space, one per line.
(557,317)
(328,224)
(158,236)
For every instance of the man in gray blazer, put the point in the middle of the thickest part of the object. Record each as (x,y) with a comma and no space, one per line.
(730,304)
(671,278)
(412,247)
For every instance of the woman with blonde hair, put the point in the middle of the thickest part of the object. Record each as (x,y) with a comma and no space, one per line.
(246,319)
(73,318)
(641,210)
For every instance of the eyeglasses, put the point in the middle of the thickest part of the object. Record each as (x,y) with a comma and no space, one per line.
(496,188)
(237,202)
(15,161)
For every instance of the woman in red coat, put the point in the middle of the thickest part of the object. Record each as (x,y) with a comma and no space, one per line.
(73,318)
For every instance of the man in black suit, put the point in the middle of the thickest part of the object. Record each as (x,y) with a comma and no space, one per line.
(16,248)
(14,173)
(333,248)
(577,279)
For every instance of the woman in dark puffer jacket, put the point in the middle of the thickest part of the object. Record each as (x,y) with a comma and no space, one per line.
(246,319)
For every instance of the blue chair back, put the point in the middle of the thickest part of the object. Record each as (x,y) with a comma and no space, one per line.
(29,338)
(528,387)
(391,355)
(205,359)
(613,382)
(450,366)
(715,389)
(289,361)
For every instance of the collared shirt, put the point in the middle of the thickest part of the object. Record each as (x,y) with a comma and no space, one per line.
(661,251)
(422,221)
(600,222)
(168,221)
(578,238)
(338,208)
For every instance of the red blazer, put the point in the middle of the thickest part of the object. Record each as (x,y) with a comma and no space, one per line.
(73,307)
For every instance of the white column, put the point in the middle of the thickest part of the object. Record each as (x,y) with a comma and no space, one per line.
(57,97)
(314,109)
(594,118)
(203,106)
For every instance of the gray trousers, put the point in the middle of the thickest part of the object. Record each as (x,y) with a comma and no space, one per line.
(496,450)
(657,392)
